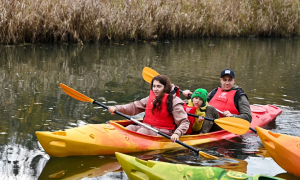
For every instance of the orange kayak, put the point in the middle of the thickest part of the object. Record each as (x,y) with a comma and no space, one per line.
(284,149)
(101,139)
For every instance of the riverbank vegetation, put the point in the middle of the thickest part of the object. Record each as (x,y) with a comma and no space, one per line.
(116,20)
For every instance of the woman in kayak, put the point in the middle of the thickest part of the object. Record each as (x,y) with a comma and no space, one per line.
(163,110)
(198,105)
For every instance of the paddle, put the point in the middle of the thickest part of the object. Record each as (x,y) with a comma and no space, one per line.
(77,95)
(231,124)
(249,127)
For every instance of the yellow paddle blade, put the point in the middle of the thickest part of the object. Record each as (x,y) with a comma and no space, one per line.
(234,125)
(208,156)
(149,74)
(75,94)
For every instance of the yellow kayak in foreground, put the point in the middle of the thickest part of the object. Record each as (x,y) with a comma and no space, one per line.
(137,169)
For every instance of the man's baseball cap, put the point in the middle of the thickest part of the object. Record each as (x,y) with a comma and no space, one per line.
(227,72)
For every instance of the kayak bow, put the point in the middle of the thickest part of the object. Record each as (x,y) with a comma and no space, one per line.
(284,149)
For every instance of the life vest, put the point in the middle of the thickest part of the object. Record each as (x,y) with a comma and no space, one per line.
(161,119)
(189,108)
(225,100)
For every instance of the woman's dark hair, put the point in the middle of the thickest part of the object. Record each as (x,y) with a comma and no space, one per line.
(164,80)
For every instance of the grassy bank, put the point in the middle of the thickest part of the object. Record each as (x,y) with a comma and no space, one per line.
(96,20)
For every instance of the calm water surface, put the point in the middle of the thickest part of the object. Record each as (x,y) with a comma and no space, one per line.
(31,99)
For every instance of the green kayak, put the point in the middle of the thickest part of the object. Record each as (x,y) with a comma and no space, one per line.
(137,169)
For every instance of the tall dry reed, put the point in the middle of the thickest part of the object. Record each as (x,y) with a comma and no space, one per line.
(95,20)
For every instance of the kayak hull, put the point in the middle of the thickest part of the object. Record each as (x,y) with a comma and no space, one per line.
(137,169)
(102,139)
(284,149)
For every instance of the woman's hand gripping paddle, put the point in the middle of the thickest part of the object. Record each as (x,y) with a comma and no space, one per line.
(231,124)
(77,95)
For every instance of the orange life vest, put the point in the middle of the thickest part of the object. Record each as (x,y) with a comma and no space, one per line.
(161,119)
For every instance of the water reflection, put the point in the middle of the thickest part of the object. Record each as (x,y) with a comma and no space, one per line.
(263,152)
(31,99)
(185,157)
(79,167)
(260,165)
(21,163)
(287,176)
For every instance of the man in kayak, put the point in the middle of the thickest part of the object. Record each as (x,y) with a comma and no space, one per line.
(198,105)
(228,98)
(163,110)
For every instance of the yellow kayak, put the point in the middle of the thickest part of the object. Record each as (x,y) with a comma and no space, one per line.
(284,149)
(137,169)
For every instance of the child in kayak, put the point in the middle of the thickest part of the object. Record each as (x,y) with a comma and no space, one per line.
(198,105)
(163,110)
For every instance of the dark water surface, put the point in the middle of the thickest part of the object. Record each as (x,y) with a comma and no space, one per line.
(31,99)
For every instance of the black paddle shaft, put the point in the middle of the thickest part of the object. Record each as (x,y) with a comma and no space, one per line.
(155,130)
(179,142)
(106,107)
(206,118)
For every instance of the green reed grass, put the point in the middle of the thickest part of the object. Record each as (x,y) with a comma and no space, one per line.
(96,20)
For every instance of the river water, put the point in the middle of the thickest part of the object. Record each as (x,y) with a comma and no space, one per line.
(268,69)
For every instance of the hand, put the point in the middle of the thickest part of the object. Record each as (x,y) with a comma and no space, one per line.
(174,137)
(201,118)
(186,93)
(112,110)
(227,114)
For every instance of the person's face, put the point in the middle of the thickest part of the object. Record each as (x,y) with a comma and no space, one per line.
(157,87)
(197,101)
(227,82)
